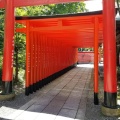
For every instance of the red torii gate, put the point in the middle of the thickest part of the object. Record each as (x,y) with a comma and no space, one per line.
(110,82)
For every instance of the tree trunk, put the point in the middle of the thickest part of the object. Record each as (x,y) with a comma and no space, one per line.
(16,64)
(118,51)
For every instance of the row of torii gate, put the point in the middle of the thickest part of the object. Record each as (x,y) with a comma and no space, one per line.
(46,31)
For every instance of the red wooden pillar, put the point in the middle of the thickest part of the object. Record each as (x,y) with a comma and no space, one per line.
(39,60)
(28,58)
(96,29)
(7,74)
(110,82)
(31,63)
(34,42)
(34,62)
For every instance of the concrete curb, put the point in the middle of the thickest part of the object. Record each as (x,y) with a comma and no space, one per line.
(110,112)
(7,97)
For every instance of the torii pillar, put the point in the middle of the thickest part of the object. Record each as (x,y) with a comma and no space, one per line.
(8,53)
(109,107)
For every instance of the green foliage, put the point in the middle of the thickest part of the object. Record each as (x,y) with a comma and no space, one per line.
(118,6)
(65,8)
(0,70)
(19,56)
(2,11)
(52,9)
(20,49)
(85,49)
(118,1)
(21,75)
(118,69)
(0,76)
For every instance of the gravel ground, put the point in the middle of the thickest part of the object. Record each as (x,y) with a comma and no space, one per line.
(18,101)
(93,112)
(20,98)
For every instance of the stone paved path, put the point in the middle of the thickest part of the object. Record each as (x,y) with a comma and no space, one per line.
(69,97)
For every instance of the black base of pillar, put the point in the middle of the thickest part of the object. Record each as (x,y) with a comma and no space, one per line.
(96,100)
(37,86)
(40,84)
(110,100)
(7,91)
(31,89)
(7,87)
(34,87)
(27,91)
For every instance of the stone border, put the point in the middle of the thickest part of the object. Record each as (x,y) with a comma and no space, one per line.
(7,97)
(110,112)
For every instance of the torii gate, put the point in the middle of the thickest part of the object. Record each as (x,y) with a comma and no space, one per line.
(110,82)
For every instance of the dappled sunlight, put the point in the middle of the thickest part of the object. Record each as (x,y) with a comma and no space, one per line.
(85,65)
(101,64)
(89,65)
(30,115)
(6,112)
(118,102)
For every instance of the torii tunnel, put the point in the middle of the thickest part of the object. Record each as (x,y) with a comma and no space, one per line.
(52,42)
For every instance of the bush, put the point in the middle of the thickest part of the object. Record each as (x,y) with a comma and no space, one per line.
(0,76)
